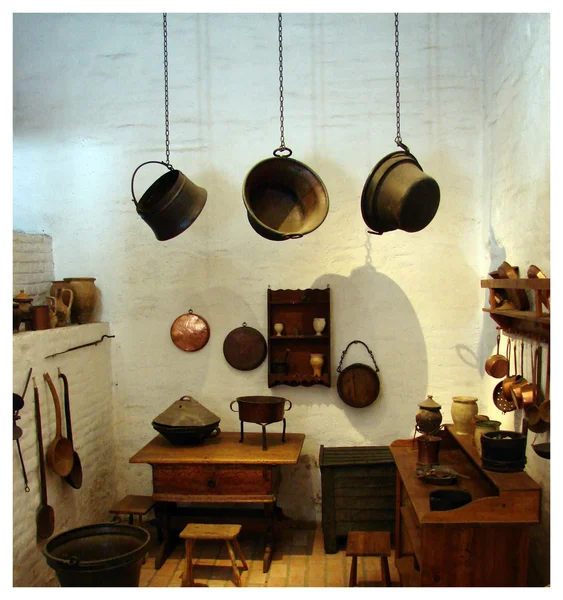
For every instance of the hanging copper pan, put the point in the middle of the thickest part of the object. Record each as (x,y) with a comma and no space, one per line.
(190,332)
(245,348)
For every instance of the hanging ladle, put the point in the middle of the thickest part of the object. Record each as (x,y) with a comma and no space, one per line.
(18,405)
(74,478)
(60,453)
(46,514)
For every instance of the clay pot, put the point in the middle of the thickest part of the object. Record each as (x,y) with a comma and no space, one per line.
(464,408)
(40,317)
(429,417)
(482,427)
(84,301)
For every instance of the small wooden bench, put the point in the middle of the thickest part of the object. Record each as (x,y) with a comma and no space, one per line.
(204,531)
(369,543)
(133,505)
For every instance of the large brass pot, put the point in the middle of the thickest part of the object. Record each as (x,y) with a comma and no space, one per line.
(399,195)
(171,204)
(284,198)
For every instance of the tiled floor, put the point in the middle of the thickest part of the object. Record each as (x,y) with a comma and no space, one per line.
(299,561)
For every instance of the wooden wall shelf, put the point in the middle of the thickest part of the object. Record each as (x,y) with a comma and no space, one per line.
(296,309)
(531,323)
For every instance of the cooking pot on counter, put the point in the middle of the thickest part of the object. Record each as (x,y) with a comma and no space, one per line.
(187,422)
(261,410)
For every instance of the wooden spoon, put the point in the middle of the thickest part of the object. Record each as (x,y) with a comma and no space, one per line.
(46,514)
(60,454)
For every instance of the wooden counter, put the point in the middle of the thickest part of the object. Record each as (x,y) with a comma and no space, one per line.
(485,542)
(221,470)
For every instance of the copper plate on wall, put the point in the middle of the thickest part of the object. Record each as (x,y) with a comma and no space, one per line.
(245,348)
(190,332)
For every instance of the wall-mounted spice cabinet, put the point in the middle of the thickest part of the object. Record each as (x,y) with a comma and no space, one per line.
(289,353)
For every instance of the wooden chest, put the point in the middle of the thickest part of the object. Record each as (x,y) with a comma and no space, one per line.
(358,491)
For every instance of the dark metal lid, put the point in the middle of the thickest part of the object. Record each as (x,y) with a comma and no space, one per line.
(187,412)
(245,348)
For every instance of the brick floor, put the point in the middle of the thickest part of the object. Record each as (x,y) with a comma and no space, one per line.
(299,560)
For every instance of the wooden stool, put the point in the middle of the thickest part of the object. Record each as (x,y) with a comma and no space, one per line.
(203,531)
(369,543)
(133,505)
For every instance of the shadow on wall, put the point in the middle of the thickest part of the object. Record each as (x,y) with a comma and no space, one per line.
(366,296)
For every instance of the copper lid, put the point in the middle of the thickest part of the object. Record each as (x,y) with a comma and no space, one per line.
(187,412)
(190,332)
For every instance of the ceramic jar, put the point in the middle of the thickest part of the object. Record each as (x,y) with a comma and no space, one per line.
(429,417)
(464,408)
(60,306)
(24,309)
(317,361)
(84,301)
(482,427)
(318,325)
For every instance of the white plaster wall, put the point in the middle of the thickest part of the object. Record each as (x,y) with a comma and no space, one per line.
(88,109)
(516,155)
(89,375)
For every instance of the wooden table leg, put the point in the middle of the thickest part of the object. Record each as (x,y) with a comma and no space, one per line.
(385,575)
(188,575)
(270,541)
(167,543)
(353,572)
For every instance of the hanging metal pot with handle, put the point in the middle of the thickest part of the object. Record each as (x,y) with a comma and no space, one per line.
(284,198)
(173,202)
(397,193)
(358,384)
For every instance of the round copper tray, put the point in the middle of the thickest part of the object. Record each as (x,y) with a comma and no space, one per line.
(518,297)
(190,332)
(245,348)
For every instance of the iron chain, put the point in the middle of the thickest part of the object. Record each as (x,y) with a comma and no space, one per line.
(166,112)
(398,139)
(282,139)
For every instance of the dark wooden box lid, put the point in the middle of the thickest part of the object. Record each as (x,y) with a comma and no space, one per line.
(354,455)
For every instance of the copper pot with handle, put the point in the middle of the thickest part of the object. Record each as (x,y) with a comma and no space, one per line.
(497,365)
(509,380)
(529,393)
(521,381)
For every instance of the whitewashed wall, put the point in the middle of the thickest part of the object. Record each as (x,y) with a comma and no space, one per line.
(88,109)
(90,383)
(517,188)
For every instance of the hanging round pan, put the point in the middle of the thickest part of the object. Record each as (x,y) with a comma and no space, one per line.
(190,332)
(358,384)
(245,348)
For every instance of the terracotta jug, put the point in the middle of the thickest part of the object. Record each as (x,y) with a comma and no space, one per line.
(84,302)
(61,307)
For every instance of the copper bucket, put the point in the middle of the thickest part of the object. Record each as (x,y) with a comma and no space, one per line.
(399,195)
(171,204)
(284,198)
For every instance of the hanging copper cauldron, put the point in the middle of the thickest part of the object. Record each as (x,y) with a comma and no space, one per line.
(284,198)
(171,204)
(399,195)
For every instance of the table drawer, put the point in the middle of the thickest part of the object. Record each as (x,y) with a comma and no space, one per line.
(213,479)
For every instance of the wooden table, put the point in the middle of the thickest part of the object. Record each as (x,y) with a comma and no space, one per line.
(484,543)
(220,471)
